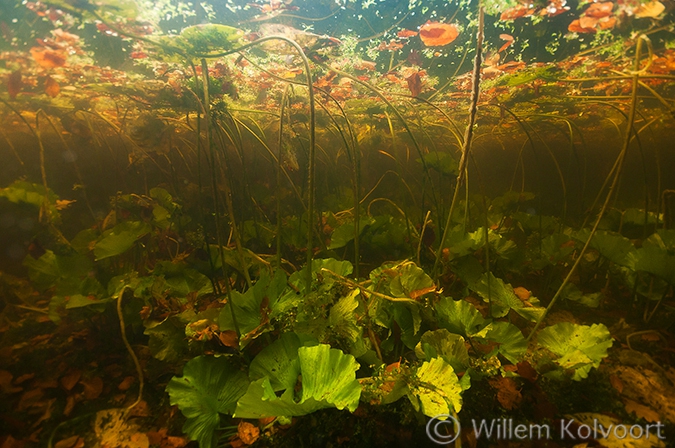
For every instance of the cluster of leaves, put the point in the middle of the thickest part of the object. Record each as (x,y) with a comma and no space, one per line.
(279,351)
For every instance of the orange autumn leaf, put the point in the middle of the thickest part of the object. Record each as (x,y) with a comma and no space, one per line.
(420,292)
(522,293)
(406,33)
(52,88)
(607,23)
(248,433)
(599,10)
(576,27)
(48,58)
(516,12)
(588,22)
(266,420)
(393,45)
(652,10)
(62,204)
(14,84)
(509,40)
(393,366)
(436,34)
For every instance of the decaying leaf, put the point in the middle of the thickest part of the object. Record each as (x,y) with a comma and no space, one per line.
(48,58)
(229,338)
(112,429)
(126,383)
(508,394)
(248,433)
(71,379)
(652,10)
(52,88)
(14,84)
(70,442)
(641,411)
(93,387)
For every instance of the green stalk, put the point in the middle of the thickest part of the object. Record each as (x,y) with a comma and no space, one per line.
(468,137)
(617,174)
(206,105)
(284,101)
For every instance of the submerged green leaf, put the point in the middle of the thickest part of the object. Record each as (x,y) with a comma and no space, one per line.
(459,316)
(210,386)
(442,343)
(278,361)
(657,255)
(613,246)
(502,298)
(511,342)
(579,347)
(442,162)
(327,377)
(344,233)
(28,193)
(437,389)
(120,238)
(342,319)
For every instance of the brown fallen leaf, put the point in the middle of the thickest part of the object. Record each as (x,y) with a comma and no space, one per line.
(6,383)
(616,383)
(52,88)
(248,433)
(174,442)
(70,404)
(14,84)
(414,82)
(526,371)
(30,399)
(48,58)
(69,380)
(126,383)
(70,442)
(140,410)
(93,387)
(229,338)
(23,378)
(641,411)
(11,442)
(508,394)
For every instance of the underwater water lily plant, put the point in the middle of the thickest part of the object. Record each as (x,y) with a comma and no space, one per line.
(314,242)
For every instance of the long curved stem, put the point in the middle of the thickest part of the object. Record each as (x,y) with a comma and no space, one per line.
(468,136)
(617,174)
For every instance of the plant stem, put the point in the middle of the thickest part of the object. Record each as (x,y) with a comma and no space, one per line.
(617,174)
(468,136)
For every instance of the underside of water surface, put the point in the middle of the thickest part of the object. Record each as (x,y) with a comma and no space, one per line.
(337,223)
